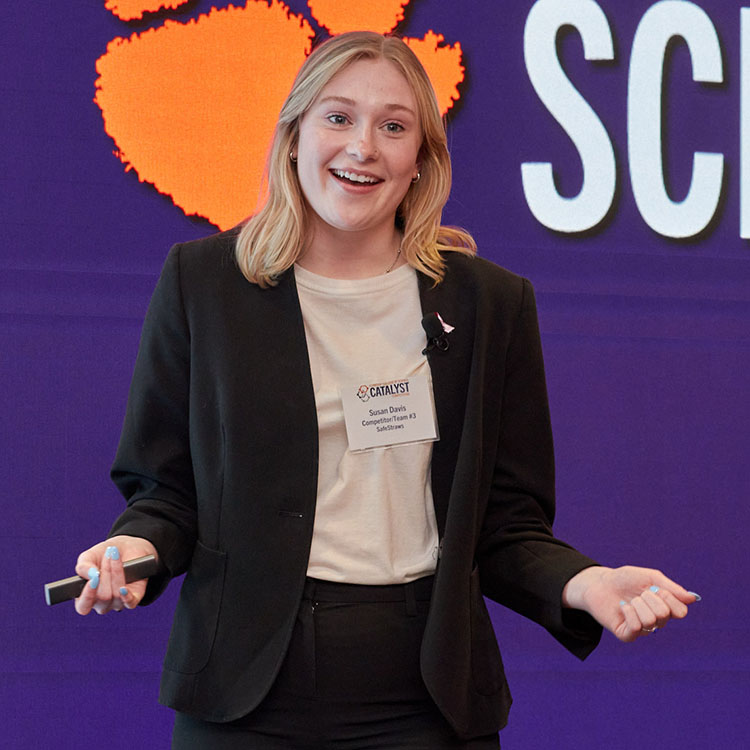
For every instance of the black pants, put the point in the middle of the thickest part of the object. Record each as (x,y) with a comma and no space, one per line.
(350,681)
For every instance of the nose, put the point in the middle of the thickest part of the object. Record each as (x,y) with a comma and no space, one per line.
(362,145)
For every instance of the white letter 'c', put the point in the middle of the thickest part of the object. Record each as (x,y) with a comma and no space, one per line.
(662,22)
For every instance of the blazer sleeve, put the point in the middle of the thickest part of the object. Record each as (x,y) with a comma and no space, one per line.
(153,468)
(521,564)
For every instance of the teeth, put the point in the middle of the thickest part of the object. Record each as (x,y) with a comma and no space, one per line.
(354,177)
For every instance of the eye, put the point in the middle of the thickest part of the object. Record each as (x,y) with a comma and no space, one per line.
(394,127)
(337,119)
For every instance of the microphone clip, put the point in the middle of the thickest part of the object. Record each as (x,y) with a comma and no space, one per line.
(437,333)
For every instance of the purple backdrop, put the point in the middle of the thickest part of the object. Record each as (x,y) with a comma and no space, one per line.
(647,345)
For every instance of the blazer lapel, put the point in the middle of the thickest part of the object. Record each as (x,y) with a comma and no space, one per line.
(450,376)
(279,424)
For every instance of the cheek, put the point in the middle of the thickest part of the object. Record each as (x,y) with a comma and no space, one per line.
(408,161)
(314,155)
(306,182)
(406,171)
(307,166)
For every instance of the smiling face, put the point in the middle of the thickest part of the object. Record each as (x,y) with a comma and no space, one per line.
(357,153)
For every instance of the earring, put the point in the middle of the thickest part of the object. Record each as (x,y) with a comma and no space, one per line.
(292,157)
(417,178)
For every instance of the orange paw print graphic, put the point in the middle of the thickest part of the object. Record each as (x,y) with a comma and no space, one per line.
(191,106)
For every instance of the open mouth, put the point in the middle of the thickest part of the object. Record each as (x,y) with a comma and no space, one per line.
(352,178)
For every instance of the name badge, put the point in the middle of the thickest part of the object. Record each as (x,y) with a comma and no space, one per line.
(391,413)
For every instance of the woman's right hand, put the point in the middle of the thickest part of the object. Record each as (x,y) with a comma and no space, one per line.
(101,565)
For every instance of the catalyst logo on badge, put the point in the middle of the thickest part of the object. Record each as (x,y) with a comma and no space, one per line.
(363,393)
(392,388)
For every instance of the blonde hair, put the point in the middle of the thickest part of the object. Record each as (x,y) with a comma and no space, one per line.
(271,240)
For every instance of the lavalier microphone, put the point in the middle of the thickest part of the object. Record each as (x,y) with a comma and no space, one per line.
(436,336)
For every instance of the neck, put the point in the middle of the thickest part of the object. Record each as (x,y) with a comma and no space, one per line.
(352,255)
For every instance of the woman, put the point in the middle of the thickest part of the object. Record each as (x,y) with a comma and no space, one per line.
(335,570)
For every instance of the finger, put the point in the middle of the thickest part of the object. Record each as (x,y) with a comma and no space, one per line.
(88,596)
(116,577)
(657,605)
(88,559)
(129,598)
(630,628)
(679,592)
(117,580)
(677,609)
(104,590)
(108,596)
(645,614)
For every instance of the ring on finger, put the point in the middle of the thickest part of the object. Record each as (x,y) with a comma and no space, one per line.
(649,630)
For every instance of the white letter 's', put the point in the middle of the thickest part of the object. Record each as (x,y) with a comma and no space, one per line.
(572,112)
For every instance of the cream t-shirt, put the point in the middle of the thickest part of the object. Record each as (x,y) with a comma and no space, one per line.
(375,518)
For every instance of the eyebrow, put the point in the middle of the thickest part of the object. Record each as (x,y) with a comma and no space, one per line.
(352,103)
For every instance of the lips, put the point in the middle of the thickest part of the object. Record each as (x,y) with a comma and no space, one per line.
(355,178)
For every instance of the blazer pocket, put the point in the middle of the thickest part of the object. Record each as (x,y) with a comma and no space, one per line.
(486,662)
(197,613)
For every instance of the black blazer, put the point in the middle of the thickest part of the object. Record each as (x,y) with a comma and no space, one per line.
(218,462)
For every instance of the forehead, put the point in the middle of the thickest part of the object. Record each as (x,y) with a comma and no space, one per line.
(377,81)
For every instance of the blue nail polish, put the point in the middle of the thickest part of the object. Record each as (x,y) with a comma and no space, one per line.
(115,554)
(697,596)
(622,602)
(655,589)
(93,577)
(123,591)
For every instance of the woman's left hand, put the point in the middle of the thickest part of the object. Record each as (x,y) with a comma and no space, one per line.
(627,601)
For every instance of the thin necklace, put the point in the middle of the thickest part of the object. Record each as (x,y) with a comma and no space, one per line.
(395,260)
